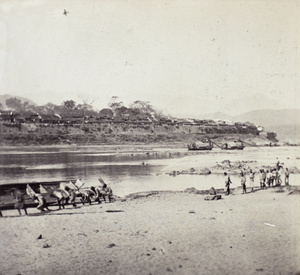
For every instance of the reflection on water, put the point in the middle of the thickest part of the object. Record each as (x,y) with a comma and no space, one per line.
(123,169)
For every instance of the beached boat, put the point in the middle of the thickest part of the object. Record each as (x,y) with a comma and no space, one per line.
(236,145)
(199,146)
(7,201)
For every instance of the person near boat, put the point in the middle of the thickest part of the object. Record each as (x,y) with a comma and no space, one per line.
(19,200)
(42,202)
(102,191)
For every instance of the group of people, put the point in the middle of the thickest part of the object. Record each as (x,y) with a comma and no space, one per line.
(66,193)
(267,179)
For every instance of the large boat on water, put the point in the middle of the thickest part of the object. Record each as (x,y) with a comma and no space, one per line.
(236,145)
(200,146)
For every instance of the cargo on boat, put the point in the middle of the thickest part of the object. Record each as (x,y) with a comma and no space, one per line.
(199,146)
(236,145)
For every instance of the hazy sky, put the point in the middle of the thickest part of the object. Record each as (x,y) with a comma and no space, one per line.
(185,57)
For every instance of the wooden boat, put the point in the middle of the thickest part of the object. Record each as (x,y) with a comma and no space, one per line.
(7,200)
(236,145)
(200,146)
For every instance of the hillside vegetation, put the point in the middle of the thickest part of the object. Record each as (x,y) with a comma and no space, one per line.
(24,123)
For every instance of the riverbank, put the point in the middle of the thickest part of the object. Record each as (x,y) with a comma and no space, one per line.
(154,138)
(160,233)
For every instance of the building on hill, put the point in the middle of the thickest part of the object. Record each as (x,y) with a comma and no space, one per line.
(50,119)
(9,116)
(106,114)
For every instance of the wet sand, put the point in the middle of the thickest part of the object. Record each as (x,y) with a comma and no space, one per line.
(158,233)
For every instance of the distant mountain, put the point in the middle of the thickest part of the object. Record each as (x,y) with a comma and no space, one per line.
(268,118)
(217,115)
(3,99)
(285,123)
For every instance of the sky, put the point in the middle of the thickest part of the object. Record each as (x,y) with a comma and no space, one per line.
(186,58)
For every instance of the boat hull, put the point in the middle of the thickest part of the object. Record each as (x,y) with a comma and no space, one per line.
(199,149)
(234,148)
(200,146)
(7,201)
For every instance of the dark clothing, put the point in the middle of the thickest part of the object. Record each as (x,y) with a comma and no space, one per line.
(227,186)
(243,183)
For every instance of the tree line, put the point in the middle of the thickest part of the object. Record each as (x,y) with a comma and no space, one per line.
(116,106)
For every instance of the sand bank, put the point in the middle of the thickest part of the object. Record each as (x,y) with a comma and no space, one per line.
(158,233)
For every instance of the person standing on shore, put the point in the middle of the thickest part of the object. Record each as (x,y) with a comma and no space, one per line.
(227,184)
(262,179)
(268,178)
(251,177)
(243,183)
(279,176)
(273,179)
(286,177)
(276,178)
(264,176)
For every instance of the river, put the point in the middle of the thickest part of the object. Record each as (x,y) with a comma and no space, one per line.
(122,167)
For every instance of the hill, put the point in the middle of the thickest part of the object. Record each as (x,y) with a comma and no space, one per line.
(283,122)
(217,115)
(3,99)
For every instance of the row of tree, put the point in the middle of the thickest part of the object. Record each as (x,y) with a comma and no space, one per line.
(117,107)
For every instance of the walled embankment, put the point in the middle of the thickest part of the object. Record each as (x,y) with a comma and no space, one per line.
(117,133)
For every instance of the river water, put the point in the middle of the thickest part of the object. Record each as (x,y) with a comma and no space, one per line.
(122,168)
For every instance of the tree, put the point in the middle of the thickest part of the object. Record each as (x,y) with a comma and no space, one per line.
(144,106)
(1,106)
(69,104)
(86,106)
(272,136)
(106,113)
(119,112)
(14,103)
(26,105)
(115,103)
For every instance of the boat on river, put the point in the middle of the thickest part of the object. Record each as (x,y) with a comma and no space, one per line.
(236,145)
(200,146)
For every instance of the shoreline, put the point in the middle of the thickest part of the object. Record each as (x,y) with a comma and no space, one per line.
(132,144)
(169,232)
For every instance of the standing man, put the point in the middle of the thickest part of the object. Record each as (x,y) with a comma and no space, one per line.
(243,183)
(251,177)
(264,176)
(286,176)
(227,184)
(268,178)
(273,178)
(262,179)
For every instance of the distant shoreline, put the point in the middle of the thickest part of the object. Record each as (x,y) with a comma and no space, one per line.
(122,145)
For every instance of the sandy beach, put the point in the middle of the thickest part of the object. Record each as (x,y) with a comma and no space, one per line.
(158,233)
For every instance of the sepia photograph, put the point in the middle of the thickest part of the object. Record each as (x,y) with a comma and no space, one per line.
(150,137)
